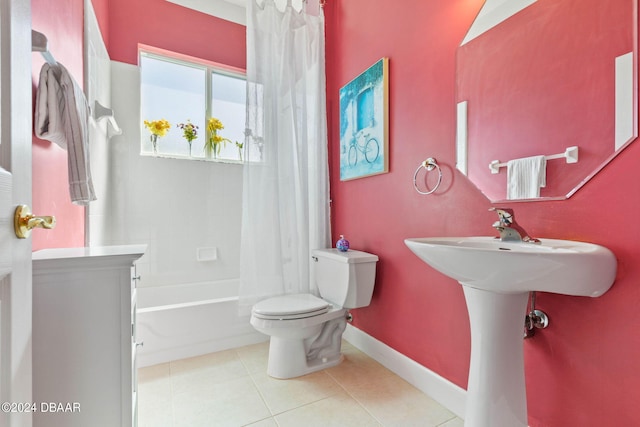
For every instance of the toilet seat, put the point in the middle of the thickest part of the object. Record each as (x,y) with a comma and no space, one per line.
(290,307)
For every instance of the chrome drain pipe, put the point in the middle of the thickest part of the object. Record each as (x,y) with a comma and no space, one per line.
(534,319)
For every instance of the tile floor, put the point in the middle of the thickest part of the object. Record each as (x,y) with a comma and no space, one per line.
(231,388)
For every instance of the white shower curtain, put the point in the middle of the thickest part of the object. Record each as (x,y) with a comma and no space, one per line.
(286,185)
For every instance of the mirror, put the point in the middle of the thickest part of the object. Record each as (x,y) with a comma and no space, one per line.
(553,78)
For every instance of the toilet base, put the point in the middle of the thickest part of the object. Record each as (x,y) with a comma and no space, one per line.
(296,364)
(290,358)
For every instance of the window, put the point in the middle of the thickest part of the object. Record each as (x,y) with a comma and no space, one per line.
(188,90)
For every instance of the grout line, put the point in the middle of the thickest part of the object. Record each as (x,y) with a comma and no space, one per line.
(260,420)
(253,381)
(354,398)
(244,365)
(331,375)
(171,393)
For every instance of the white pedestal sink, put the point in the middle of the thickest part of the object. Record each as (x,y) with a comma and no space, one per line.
(497,277)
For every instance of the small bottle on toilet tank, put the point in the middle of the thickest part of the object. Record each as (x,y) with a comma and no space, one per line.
(342,244)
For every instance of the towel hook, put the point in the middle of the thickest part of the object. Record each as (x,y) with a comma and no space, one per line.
(429,165)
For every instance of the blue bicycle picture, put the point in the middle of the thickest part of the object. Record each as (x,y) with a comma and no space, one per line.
(363,123)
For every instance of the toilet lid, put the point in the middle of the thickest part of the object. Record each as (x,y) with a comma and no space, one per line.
(293,306)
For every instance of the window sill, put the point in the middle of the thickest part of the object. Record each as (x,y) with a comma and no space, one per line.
(201,159)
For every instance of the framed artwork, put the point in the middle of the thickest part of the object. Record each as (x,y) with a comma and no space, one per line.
(364,123)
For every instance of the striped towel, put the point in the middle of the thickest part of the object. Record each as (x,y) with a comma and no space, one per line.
(62,117)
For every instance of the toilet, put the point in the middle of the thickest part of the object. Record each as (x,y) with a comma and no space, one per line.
(305,330)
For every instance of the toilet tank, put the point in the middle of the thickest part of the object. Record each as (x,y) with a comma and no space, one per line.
(345,279)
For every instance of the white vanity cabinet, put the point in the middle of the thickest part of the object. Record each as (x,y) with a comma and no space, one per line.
(84,344)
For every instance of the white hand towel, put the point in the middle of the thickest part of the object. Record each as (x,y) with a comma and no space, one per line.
(525,177)
(62,117)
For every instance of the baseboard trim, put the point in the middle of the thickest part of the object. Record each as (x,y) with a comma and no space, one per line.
(438,388)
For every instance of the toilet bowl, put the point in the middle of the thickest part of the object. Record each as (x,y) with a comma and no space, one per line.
(293,332)
(305,330)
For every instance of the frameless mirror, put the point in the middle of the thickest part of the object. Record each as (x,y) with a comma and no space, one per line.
(554,78)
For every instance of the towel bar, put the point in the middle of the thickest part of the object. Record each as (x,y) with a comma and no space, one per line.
(428,165)
(570,154)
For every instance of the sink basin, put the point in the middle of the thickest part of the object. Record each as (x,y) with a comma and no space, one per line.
(496,278)
(559,266)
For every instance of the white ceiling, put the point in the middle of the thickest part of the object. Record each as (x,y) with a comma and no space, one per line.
(494,12)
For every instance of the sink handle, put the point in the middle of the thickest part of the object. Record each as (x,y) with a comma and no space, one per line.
(505,215)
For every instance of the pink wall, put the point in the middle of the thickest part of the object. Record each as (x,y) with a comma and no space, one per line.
(123,24)
(50,178)
(527,123)
(162,24)
(583,370)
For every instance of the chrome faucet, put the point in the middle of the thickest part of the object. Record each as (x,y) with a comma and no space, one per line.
(509,229)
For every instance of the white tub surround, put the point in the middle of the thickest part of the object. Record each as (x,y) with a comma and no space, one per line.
(187,320)
(84,336)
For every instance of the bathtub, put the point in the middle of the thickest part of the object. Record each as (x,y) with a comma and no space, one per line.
(181,321)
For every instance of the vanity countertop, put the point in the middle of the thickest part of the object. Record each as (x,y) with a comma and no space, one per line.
(97,251)
(61,258)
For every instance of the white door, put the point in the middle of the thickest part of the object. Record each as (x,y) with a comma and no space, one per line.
(15,189)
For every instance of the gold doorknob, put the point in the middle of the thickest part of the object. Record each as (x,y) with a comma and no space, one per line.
(24,221)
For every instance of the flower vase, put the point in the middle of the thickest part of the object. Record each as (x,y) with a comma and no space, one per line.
(154,143)
(190,142)
(211,150)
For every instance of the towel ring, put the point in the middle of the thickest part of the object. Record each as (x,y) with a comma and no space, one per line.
(429,164)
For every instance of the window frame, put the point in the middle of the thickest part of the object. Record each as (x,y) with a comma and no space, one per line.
(209,67)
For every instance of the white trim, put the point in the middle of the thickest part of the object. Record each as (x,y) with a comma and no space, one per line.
(494,12)
(438,388)
(624,100)
(462,137)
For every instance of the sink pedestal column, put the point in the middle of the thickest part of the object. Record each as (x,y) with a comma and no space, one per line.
(496,394)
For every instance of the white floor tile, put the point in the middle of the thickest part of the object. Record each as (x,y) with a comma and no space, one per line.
(230,403)
(336,411)
(395,402)
(269,422)
(213,367)
(231,389)
(455,422)
(254,357)
(154,397)
(283,395)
